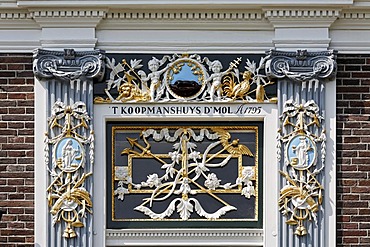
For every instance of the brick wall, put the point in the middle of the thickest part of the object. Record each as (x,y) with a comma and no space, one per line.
(16,150)
(353,151)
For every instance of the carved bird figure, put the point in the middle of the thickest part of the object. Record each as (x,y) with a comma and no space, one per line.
(234,90)
(234,147)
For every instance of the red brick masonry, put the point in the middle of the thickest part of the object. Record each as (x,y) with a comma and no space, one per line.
(353,151)
(16,150)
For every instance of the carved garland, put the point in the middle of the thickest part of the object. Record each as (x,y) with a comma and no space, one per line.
(68,199)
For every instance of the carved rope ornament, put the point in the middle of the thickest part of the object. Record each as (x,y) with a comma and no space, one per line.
(302,195)
(185,78)
(68,199)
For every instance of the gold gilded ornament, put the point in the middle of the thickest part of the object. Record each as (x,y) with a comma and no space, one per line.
(68,199)
(188,171)
(301,197)
(185,78)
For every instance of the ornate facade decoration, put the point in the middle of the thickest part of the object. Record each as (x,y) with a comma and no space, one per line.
(301,66)
(188,172)
(302,195)
(68,199)
(67,78)
(301,139)
(68,65)
(185,78)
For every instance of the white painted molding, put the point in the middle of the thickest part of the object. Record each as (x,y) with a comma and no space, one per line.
(330,164)
(76,38)
(15,15)
(302,13)
(17,19)
(137,41)
(68,18)
(187,15)
(353,20)
(41,207)
(307,18)
(183,3)
(185,19)
(255,21)
(302,28)
(23,40)
(185,31)
(181,237)
(8,4)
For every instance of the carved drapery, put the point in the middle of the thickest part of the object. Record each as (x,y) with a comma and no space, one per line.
(69,141)
(301,142)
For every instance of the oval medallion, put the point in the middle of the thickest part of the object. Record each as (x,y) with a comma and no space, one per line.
(69,154)
(301,152)
(185,78)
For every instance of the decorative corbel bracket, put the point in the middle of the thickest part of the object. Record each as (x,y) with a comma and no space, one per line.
(301,65)
(68,65)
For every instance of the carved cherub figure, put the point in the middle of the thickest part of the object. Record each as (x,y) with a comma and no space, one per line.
(154,76)
(216,78)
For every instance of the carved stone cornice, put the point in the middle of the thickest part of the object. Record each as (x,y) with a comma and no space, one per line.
(302,17)
(301,65)
(67,17)
(302,13)
(15,15)
(68,65)
(353,20)
(162,4)
(186,15)
(15,18)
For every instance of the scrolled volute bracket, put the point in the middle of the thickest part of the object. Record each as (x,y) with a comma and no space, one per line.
(301,65)
(69,64)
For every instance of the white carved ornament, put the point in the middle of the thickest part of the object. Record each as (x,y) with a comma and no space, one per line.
(187,166)
(68,199)
(185,78)
(301,133)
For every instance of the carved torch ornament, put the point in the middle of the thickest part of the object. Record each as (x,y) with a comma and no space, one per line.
(303,140)
(68,199)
